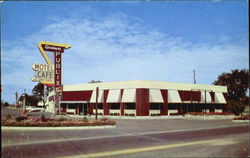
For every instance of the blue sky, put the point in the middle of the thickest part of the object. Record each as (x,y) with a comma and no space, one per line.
(114,41)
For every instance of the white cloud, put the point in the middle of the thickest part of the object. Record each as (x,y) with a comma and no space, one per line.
(118,48)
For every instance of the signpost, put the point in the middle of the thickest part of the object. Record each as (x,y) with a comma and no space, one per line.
(51,74)
(96,104)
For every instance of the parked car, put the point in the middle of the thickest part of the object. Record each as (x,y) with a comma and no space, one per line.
(34,109)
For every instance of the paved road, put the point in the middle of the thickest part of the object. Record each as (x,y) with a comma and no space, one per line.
(133,138)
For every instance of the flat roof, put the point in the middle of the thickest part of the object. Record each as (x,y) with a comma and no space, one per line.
(144,84)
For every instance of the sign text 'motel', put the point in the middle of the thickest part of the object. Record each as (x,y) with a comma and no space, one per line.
(44,73)
(43,67)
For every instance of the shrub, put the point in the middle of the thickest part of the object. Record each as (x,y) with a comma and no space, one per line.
(85,119)
(21,118)
(61,119)
(247,117)
(236,107)
(37,122)
(63,113)
(104,119)
(43,118)
(209,113)
(8,117)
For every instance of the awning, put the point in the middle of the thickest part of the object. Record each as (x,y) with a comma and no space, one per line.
(93,97)
(114,96)
(208,97)
(128,96)
(173,96)
(219,98)
(73,102)
(155,96)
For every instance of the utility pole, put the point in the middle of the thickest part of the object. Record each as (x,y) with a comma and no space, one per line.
(194,76)
(44,94)
(24,99)
(16,99)
(96,105)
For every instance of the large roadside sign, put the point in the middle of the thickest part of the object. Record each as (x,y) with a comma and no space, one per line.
(50,74)
(57,49)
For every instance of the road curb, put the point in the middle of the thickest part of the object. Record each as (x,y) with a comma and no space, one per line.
(240,120)
(56,128)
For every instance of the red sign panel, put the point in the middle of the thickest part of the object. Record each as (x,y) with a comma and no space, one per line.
(58,72)
(53,48)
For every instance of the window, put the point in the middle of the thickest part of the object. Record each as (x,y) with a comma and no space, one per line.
(114,106)
(155,106)
(100,106)
(72,106)
(129,106)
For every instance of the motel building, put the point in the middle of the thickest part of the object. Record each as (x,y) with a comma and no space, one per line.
(140,98)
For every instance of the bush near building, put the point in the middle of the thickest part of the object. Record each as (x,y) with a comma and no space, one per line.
(246,117)
(48,122)
(210,113)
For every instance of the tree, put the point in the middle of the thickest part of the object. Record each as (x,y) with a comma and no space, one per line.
(4,103)
(237,84)
(236,107)
(38,90)
(30,100)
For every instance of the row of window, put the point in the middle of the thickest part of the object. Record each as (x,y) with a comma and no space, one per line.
(153,106)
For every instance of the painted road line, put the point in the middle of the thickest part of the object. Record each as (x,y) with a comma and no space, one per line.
(137,150)
(61,140)
(186,130)
(4,144)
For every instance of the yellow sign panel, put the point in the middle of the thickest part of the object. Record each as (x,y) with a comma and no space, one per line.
(50,46)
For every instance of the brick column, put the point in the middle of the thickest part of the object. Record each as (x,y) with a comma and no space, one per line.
(142,102)
(106,106)
(164,109)
(77,111)
(121,104)
(64,109)
(212,109)
(91,107)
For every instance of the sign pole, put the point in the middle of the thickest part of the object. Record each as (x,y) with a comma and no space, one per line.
(96,105)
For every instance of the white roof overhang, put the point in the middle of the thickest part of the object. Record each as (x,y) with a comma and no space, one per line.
(173,96)
(129,96)
(93,97)
(114,96)
(219,98)
(73,102)
(155,96)
(205,97)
